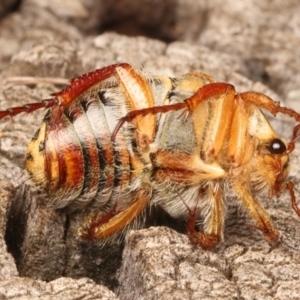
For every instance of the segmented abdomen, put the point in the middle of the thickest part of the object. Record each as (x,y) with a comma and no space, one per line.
(74,160)
(72,156)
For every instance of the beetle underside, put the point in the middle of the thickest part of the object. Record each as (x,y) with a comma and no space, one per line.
(119,141)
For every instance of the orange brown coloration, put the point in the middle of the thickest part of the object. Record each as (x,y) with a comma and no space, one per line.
(118,141)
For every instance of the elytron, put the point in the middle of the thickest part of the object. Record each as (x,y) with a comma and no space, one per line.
(119,141)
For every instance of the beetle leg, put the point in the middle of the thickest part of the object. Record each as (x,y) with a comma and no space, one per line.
(239,150)
(138,95)
(215,222)
(96,221)
(184,168)
(260,216)
(221,110)
(205,241)
(213,229)
(136,88)
(209,91)
(28,108)
(266,102)
(296,135)
(114,221)
(290,187)
(77,86)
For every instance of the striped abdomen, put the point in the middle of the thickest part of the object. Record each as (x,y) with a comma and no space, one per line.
(72,156)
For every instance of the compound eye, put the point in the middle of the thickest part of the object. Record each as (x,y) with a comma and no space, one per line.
(277,147)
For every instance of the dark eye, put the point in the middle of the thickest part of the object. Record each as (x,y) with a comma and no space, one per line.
(277,146)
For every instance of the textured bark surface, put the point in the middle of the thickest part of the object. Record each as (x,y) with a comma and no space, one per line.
(252,45)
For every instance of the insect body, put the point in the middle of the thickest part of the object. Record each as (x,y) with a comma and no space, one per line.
(119,141)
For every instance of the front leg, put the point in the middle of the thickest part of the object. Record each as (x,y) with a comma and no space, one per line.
(260,216)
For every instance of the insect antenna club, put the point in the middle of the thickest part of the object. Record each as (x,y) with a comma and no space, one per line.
(123,140)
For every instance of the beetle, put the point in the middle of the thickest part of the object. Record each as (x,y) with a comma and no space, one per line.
(119,141)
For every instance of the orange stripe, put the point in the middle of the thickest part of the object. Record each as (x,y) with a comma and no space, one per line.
(67,153)
(89,147)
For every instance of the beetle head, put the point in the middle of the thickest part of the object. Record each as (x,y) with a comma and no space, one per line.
(276,159)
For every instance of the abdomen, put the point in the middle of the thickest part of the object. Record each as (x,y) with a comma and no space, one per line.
(72,157)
